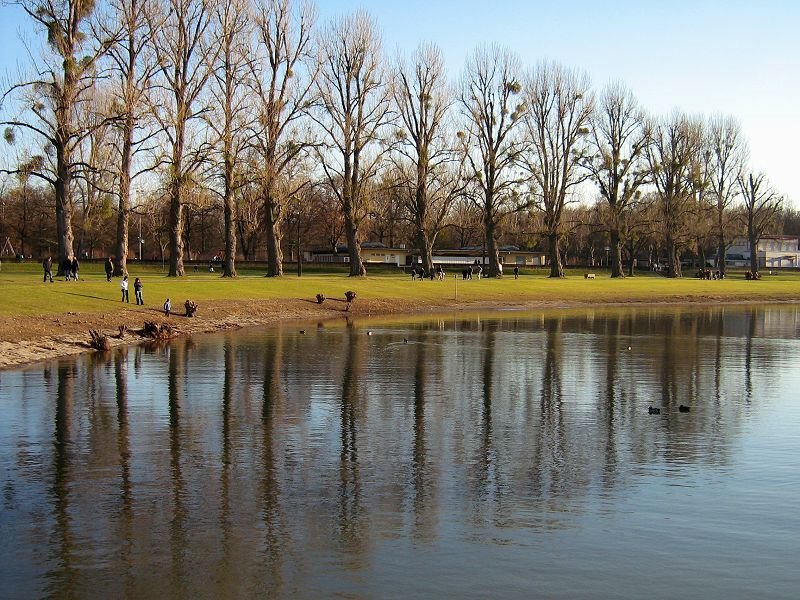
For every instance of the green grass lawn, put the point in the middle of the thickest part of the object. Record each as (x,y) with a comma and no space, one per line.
(23,293)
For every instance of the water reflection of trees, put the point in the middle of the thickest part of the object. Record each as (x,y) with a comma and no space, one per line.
(305,449)
(64,579)
(274,545)
(350,495)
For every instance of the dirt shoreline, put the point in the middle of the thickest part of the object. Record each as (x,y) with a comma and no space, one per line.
(26,340)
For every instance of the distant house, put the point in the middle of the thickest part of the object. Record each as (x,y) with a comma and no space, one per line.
(773,252)
(377,253)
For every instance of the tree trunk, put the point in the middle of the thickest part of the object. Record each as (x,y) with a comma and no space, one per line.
(272,226)
(274,252)
(229,268)
(722,248)
(229,260)
(353,245)
(616,254)
(121,246)
(425,248)
(176,268)
(753,241)
(64,209)
(491,250)
(554,255)
(674,259)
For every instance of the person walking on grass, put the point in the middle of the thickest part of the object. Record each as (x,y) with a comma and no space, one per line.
(66,267)
(137,291)
(167,307)
(74,268)
(109,268)
(124,286)
(47,265)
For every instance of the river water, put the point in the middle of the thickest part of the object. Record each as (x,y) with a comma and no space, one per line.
(505,455)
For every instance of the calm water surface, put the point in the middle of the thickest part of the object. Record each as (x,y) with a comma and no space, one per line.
(507,456)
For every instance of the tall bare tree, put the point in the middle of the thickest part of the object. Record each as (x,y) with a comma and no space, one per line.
(492,110)
(355,108)
(52,100)
(673,156)
(728,154)
(132,68)
(231,72)
(559,106)
(284,76)
(186,53)
(616,160)
(431,181)
(762,205)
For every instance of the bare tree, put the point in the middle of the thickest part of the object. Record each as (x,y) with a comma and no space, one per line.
(52,100)
(231,72)
(355,103)
(423,98)
(248,220)
(728,154)
(673,157)
(616,160)
(762,205)
(464,222)
(559,106)
(491,143)
(95,180)
(283,77)
(186,52)
(132,69)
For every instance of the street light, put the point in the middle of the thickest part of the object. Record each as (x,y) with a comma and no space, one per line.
(607,250)
(140,238)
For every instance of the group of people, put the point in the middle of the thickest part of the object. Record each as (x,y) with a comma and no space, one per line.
(709,274)
(69,267)
(137,290)
(435,273)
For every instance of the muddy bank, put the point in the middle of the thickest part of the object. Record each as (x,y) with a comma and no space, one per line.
(25,340)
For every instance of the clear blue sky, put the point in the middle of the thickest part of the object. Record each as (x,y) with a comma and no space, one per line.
(733,57)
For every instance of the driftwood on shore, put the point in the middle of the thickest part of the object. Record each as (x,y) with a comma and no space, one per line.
(191,308)
(155,331)
(99,341)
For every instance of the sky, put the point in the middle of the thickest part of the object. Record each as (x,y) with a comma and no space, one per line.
(739,58)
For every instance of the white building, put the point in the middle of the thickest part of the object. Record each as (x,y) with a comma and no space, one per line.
(773,252)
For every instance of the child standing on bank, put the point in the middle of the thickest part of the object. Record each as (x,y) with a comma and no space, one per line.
(124,286)
(167,307)
(137,290)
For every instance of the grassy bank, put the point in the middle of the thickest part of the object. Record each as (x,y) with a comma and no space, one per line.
(22,292)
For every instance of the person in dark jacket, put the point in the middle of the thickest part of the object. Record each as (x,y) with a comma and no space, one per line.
(137,290)
(47,265)
(109,268)
(66,267)
(74,266)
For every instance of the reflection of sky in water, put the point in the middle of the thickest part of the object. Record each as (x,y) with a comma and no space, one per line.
(510,456)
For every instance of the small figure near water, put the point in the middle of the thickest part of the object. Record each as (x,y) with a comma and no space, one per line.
(137,290)
(167,307)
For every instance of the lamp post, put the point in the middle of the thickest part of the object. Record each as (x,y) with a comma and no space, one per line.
(608,248)
(141,241)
